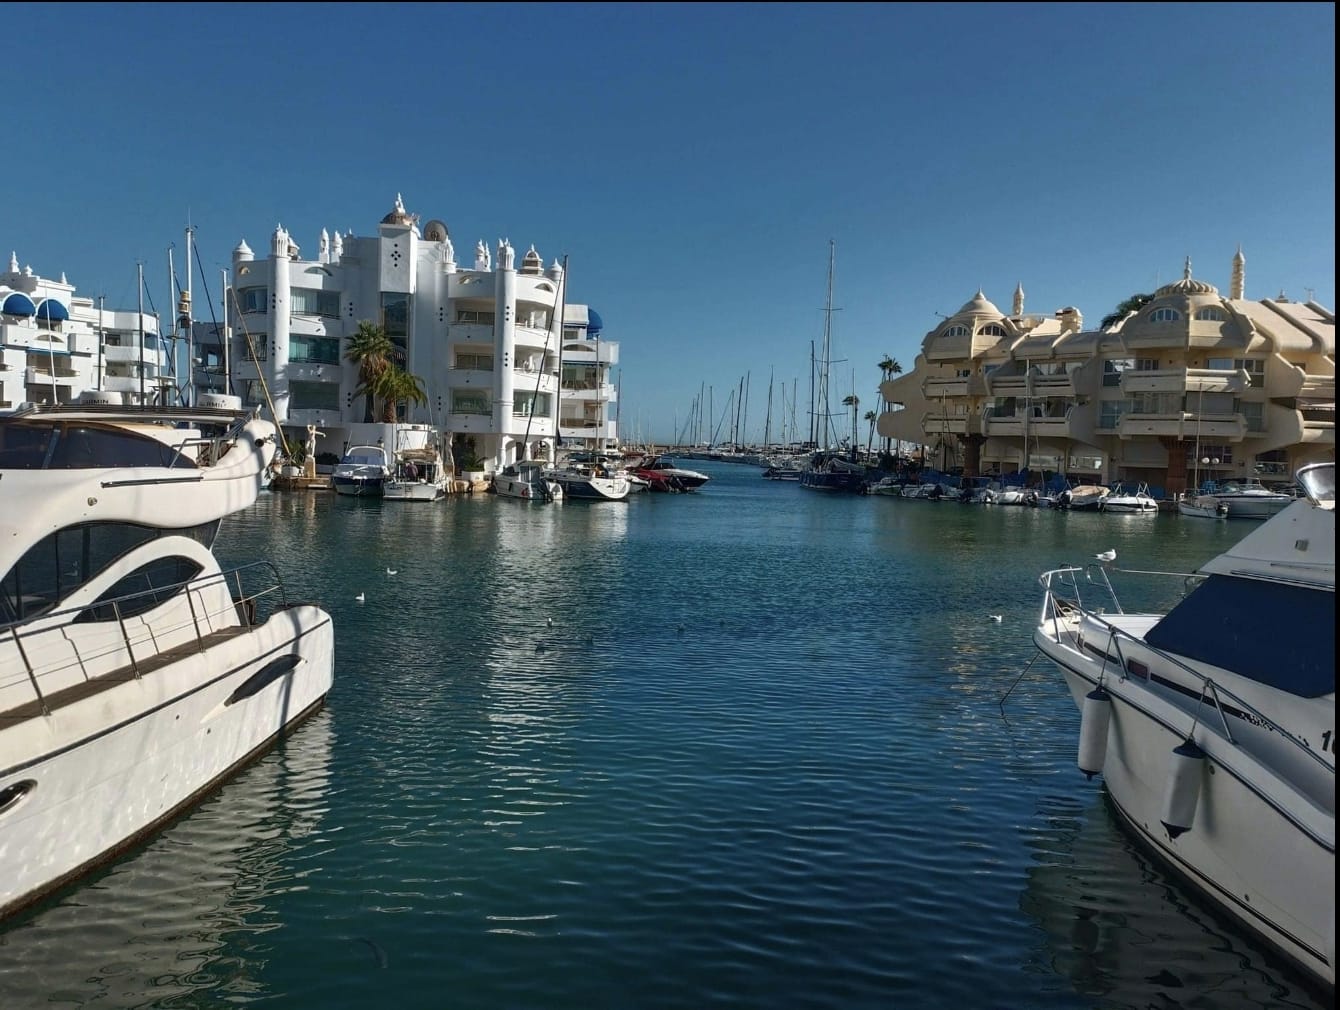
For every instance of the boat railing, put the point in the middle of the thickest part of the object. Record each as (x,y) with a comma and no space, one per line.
(247,585)
(1057,608)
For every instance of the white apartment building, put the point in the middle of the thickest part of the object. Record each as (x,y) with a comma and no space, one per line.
(508,366)
(55,345)
(1191,386)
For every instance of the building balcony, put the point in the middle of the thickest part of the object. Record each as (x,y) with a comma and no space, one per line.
(1318,387)
(471,333)
(1185,380)
(955,388)
(1025,427)
(38,376)
(588,352)
(1229,427)
(593,391)
(148,354)
(939,423)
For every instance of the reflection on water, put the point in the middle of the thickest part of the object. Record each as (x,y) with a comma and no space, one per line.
(739,747)
(185,914)
(1092,891)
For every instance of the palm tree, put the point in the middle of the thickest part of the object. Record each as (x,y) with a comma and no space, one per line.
(394,387)
(372,351)
(1132,304)
(853,401)
(870,416)
(888,368)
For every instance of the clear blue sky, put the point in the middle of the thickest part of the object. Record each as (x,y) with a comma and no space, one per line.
(693,161)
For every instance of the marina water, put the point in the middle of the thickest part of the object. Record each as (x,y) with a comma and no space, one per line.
(742,747)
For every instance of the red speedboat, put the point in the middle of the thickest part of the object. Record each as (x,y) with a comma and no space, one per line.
(665,475)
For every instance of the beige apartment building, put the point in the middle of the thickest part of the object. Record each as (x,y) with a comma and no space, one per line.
(1191,387)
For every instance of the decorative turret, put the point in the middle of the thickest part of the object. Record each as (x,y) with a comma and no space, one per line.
(506,255)
(243,253)
(532,262)
(398,214)
(336,248)
(482,259)
(323,248)
(555,272)
(1187,285)
(1237,287)
(1019,299)
(13,262)
(279,241)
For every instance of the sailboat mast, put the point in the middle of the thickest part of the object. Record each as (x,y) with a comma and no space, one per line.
(828,348)
(141,330)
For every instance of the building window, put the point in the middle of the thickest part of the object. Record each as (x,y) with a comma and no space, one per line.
(957,331)
(993,330)
(255,349)
(474,316)
(1254,367)
(1210,314)
(475,362)
(1146,364)
(253,392)
(314,302)
(311,350)
(524,403)
(1255,416)
(1111,413)
(470,402)
(1112,369)
(1164,316)
(254,299)
(314,396)
(573,333)
(395,314)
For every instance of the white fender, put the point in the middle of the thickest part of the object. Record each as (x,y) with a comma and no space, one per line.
(1183,790)
(1094,720)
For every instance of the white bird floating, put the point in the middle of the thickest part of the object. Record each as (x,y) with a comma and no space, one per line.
(551,622)
(391,571)
(1107,555)
(359,598)
(996,617)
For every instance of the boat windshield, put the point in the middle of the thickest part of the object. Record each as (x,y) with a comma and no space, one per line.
(1234,623)
(1318,481)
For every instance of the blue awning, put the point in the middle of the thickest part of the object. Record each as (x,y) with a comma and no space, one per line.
(16,303)
(594,324)
(51,311)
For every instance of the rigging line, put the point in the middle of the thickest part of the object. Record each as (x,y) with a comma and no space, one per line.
(195,247)
(260,372)
(1028,667)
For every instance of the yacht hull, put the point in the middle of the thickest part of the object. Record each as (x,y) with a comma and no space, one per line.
(103,772)
(1255,849)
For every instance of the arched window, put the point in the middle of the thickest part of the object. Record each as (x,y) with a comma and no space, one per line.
(1164,316)
(993,330)
(1211,314)
(957,331)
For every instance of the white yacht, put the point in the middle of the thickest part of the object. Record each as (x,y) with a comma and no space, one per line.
(135,673)
(1248,500)
(526,481)
(418,476)
(1137,502)
(362,471)
(1213,725)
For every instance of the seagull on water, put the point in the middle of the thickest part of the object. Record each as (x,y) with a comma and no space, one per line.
(1107,555)
(996,617)
(359,598)
(551,621)
(391,571)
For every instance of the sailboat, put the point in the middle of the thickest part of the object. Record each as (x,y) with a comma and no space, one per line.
(827,470)
(1191,503)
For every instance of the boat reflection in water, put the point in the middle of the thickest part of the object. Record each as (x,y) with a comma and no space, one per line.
(1089,892)
(119,939)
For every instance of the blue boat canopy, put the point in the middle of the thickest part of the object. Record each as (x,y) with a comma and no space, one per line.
(594,324)
(52,311)
(16,303)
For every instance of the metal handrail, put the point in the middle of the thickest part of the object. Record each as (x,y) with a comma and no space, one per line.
(15,629)
(1209,686)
